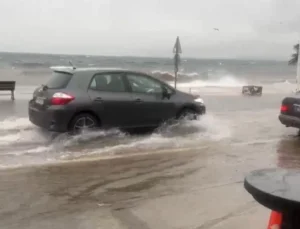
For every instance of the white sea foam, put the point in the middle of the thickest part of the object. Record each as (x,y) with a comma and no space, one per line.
(13,123)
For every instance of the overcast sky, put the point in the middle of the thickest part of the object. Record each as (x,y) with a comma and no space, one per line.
(264,29)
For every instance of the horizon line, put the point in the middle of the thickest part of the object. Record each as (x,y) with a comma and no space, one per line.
(141,56)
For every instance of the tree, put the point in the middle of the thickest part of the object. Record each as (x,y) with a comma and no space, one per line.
(294,58)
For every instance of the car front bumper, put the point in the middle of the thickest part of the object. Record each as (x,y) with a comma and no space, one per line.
(289,121)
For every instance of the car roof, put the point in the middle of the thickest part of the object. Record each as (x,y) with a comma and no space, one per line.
(92,70)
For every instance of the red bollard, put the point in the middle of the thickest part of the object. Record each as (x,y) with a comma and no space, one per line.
(275,220)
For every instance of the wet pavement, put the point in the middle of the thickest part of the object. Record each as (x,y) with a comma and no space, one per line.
(186,189)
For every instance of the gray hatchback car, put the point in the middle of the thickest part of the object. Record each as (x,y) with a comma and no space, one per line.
(79,98)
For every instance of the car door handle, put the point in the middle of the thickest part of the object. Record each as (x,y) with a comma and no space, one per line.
(98,99)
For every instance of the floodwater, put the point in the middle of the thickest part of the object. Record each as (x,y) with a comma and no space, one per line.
(184,176)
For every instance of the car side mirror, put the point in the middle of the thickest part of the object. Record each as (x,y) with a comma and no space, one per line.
(165,93)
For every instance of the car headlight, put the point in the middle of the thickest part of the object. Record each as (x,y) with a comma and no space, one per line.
(199,100)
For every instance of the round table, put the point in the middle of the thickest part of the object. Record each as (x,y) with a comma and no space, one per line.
(278,190)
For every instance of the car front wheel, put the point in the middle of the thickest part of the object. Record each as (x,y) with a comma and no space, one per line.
(83,122)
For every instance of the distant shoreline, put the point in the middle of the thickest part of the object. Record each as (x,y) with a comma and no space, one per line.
(144,57)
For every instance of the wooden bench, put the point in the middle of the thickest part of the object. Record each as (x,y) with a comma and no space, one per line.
(8,86)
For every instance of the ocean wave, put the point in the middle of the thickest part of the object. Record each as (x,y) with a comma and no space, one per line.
(200,80)
(278,81)
(169,76)
(226,81)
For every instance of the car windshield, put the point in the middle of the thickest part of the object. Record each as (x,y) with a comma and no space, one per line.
(59,80)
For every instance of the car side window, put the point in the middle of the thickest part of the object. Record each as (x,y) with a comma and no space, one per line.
(143,84)
(110,82)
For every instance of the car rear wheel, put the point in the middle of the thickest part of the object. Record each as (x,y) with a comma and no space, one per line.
(188,114)
(83,122)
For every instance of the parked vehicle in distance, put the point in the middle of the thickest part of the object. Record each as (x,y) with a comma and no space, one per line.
(290,112)
(75,99)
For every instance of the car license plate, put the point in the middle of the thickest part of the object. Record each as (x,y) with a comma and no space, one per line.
(297,108)
(39,100)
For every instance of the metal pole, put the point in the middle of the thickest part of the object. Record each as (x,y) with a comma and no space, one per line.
(176,51)
(298,69)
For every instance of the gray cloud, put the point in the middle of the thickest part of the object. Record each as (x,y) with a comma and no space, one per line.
(248,29)
(283,18)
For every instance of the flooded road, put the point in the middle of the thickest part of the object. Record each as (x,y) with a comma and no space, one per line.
(186,189)
(186,176)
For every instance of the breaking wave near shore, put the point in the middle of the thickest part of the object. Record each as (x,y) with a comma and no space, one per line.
(226,83)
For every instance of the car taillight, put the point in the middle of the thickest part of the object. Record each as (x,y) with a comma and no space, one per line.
(61,98)
(284,108)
